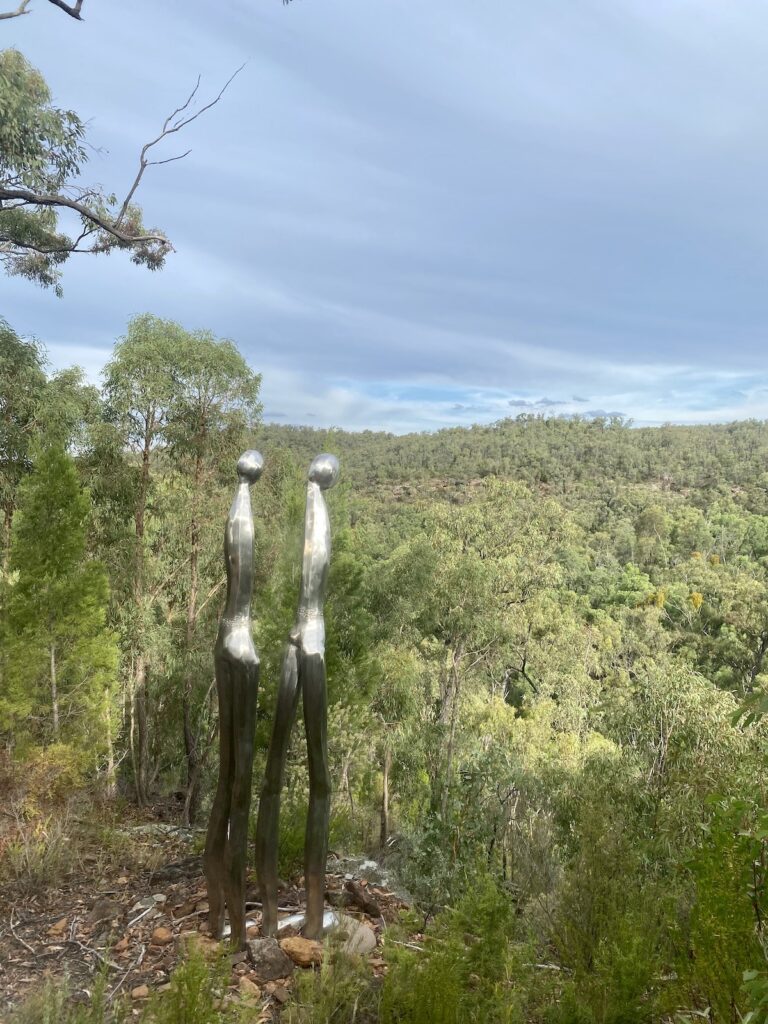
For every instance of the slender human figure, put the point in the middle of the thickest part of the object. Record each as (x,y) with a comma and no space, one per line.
(303,673)
(237,683)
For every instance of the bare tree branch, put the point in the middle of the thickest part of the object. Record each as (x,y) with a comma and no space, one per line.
(173,123)
(73,10)
(169,159)
(21,9)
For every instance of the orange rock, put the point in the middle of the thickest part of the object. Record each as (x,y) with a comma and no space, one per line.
(140,992)
(121,945)
(303,952)
(161,936)
(248,989)
(59,928)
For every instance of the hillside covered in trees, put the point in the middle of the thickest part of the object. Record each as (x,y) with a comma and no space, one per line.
(546,659)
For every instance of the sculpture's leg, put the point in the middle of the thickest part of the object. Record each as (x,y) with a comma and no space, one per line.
(312,676)
(218,824)
(245,685)
(267,823)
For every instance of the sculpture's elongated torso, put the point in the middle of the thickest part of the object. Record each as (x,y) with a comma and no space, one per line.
(303,674)
(237,681)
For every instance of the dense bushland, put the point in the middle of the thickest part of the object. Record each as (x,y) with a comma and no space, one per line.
(546,661)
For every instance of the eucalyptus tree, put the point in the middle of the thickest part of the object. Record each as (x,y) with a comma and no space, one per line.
(181,404)
(60,657)
(24,381)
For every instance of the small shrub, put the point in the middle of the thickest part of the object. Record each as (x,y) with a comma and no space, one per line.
(40,853)
(196,994)
(54,1004)
(342,990)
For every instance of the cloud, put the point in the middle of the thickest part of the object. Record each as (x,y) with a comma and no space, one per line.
(443,212)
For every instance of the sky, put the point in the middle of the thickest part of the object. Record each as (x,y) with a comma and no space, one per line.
(411,216)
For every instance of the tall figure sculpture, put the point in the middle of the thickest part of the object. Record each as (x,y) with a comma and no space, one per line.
(237,683)
(303,673)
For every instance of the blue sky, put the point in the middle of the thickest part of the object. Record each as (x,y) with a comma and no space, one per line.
(410,216)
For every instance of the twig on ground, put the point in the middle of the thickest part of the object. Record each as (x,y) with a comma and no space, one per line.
(18,938)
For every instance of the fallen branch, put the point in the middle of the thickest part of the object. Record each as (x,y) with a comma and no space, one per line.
(18,938)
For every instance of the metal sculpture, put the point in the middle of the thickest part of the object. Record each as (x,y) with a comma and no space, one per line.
(303,674)
(237,683)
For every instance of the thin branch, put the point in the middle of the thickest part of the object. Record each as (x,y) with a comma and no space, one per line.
(43,199)
(168,160)
(73,10)
(21,9)
(173,123)
(18,938)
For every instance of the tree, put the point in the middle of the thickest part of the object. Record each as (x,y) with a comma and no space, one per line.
(33,406)
(180,403)
(23,384)
(138,391)
(42,154)
(61,659)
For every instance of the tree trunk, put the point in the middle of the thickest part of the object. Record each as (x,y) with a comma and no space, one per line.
(111,785)
(385,770)
(192,800)
(141,760)
(139,725)
(446,720)
(54,695)
(7,524)
(454,690)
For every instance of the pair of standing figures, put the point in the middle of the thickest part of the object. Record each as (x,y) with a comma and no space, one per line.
(237,681)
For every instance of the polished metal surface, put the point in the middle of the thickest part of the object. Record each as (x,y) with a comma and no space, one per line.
(237,681)
(303,674)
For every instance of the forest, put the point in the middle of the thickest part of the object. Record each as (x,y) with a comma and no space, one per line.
(547,671)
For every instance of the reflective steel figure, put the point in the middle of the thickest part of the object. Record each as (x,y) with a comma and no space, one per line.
(237,683)
(303,673)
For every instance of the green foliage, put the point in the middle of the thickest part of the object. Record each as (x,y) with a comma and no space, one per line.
(42,153)
(60,656)
(341,990)
(38,854)
(54,1004)
(540,635)
(466,971)
(195,995)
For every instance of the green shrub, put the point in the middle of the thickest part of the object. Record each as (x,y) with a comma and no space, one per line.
(341,990)
(467,970)
(54,1004)
(39,854)
(196,993)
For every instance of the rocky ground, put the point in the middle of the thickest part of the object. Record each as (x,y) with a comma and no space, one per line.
(137,925)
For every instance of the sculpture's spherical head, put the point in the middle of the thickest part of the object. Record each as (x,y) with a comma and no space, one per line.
(249,466)
(324,471)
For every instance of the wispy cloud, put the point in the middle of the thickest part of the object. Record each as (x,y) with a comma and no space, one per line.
(409,216)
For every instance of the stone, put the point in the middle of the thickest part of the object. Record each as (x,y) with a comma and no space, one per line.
(121,945)
(204,944)
(140,992)
(59,928)
(248,989)
(269,961)
(161,936)
(355,937)
(103,911)
(303,952)
(280,994)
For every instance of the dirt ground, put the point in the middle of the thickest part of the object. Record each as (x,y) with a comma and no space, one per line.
(135,922)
